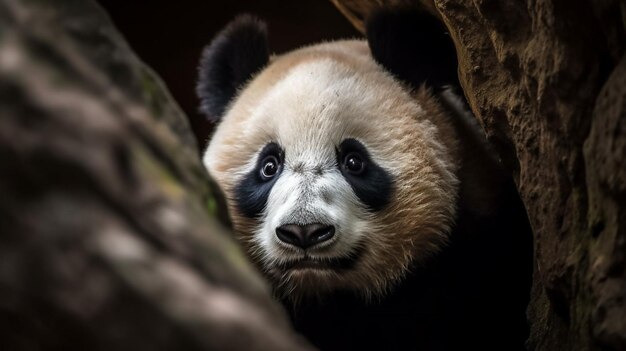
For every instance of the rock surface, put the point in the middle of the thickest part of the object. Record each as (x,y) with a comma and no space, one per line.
(547,81)
(110,238)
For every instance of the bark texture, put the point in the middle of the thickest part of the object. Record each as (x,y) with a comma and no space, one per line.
(109,230)
(547,81)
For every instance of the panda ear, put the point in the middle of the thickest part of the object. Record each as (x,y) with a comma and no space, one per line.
(414,46)
(229,61)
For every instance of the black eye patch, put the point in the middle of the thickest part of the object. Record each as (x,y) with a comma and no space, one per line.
(253,190)
(372,185)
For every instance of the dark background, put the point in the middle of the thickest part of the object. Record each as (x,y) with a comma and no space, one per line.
(169,35)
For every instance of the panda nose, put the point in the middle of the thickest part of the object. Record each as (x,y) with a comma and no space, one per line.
(305,236)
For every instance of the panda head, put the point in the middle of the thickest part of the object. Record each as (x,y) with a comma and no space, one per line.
(336,174)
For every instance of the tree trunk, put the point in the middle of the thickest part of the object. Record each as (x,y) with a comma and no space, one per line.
(109,230)
(547,81)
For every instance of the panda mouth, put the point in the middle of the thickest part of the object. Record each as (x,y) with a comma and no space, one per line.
(321,264)
(333,263)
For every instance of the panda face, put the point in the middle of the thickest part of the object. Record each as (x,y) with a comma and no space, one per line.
(310,216)
(333,176)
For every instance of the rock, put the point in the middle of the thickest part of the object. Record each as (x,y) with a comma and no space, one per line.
(546,80)
(111,235)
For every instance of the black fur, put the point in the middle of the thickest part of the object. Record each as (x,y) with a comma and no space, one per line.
(374,186)
(233,57)
(414,46)
(252,192)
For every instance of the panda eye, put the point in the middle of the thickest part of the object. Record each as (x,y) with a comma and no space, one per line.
(269,167)
(353,163)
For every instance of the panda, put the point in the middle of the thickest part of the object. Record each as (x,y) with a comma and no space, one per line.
(363,189)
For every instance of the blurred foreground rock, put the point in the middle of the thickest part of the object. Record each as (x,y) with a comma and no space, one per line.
(109,230)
